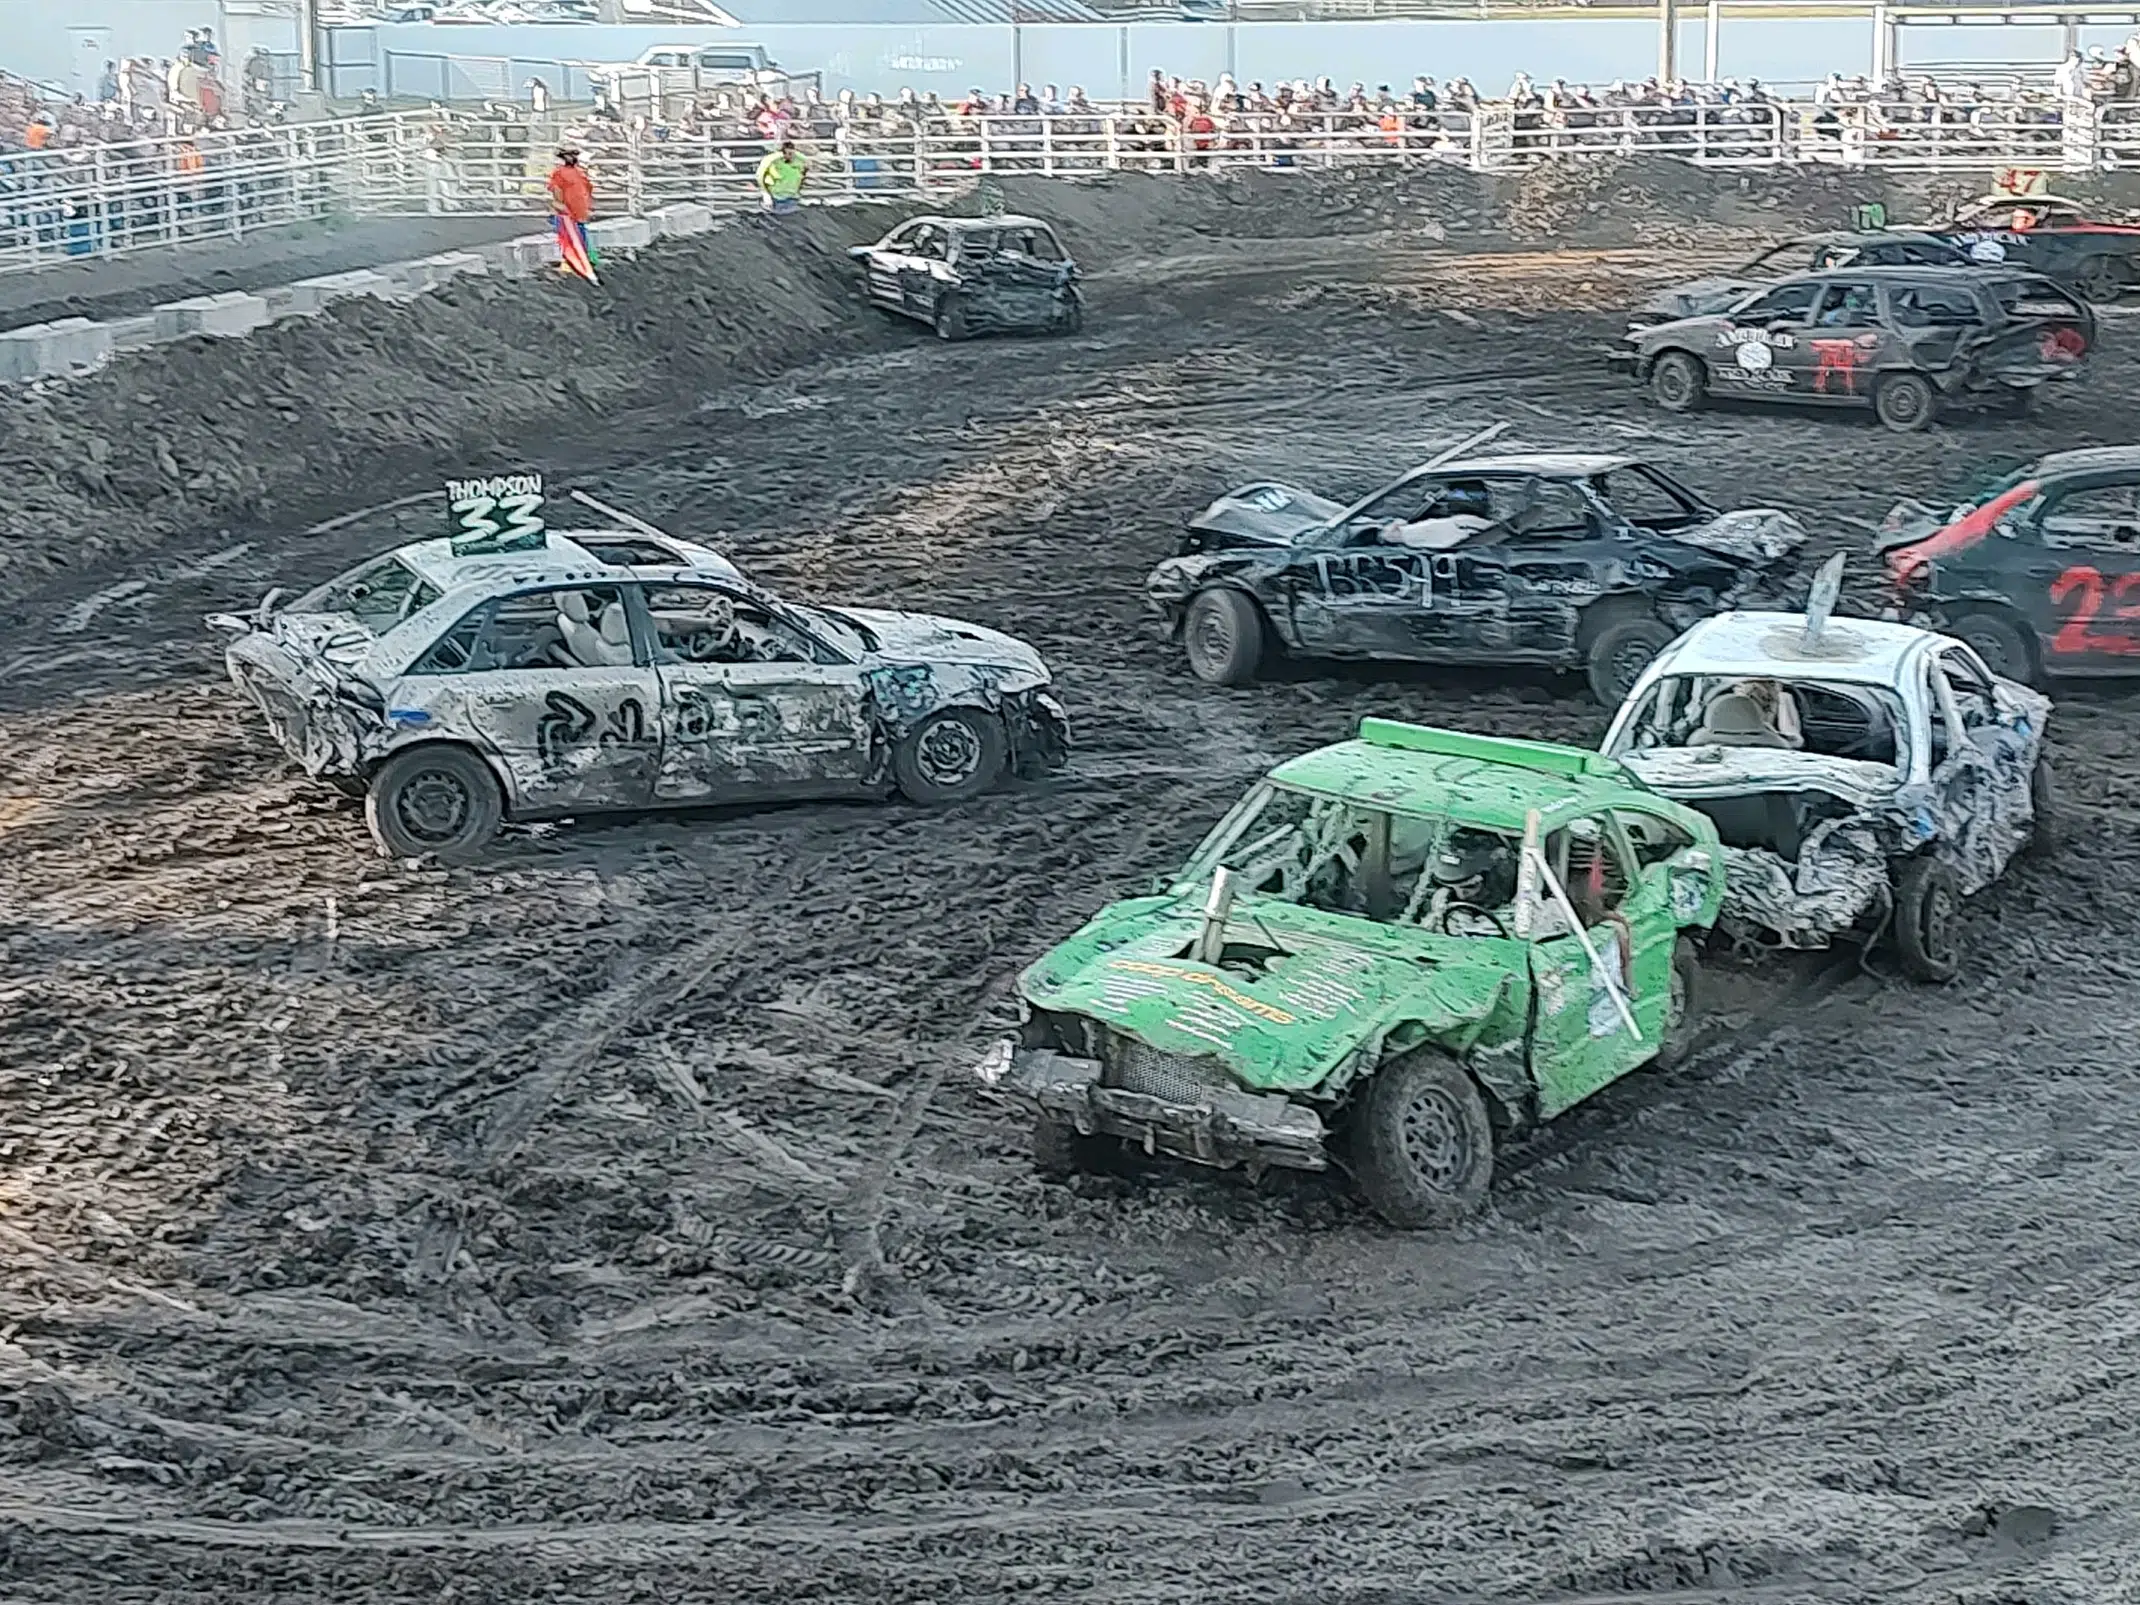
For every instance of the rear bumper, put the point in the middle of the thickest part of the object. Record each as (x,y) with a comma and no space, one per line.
(1228,1128)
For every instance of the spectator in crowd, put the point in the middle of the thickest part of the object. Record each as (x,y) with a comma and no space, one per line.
(780,178)
(2071,78)
(108,82)
(572,193)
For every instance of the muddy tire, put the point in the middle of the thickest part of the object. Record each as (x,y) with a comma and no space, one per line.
(1616,659)
(1071,318)
(1222,633)
(1061,1151)
(1683,1016)
(348,785)
(1678,382)
(2015,401)
(2000,641)
(951,756)
(950,321)
(1422,1147)
(1928,909)
(2047,830)
(438,801)
(2099,280)
(1905,403)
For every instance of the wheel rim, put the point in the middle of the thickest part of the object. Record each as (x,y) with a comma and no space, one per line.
(1436,1145)
(1673,385)
(949,753)
(1935,926)
(2098,281)
(1627,666)
(1905,403)
(1210,637)
(434,806)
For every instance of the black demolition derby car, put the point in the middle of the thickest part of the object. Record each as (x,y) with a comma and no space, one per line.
(1807,253)
(1906,342)
(2040,571)
(1561,560)
(2047,234)
(975,275)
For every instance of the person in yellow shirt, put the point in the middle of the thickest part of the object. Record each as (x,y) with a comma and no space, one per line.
(780,178)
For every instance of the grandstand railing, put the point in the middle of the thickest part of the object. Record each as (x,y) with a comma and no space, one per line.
(97,200)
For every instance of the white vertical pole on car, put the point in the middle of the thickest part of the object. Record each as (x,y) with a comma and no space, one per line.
(1534,873)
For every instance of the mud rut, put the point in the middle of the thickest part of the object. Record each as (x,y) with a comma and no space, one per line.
(617,1222)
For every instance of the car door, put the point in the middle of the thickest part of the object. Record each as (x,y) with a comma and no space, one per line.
(1360,593)
(1845,344)
(1981,760)
(752,704)
(554,683)
(1523,583)
(1759,350)
(924,270)
(2081,588)
(885,264)
(1579,1041)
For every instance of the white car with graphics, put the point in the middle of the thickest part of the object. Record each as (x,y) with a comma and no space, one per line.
(1864,776)
(608,670)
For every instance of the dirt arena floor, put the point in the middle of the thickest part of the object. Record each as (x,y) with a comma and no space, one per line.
(618,1221)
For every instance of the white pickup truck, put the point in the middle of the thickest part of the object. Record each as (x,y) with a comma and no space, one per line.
(691,70)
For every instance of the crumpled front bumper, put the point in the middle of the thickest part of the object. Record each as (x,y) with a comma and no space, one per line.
(1225,1129)
(1040,734)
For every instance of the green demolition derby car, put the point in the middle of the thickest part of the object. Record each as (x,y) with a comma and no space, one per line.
(1391,951)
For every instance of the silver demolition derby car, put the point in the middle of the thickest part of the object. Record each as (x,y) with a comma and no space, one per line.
(1864,776)
(458,682)
(965,276)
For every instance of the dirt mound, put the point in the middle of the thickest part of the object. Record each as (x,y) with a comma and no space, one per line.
(1622,200)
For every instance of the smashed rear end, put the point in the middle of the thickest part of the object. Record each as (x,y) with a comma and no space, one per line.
(1008,292)
(322,712)
(2045,335)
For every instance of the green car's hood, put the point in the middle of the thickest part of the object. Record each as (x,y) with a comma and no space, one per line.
(1286,1024)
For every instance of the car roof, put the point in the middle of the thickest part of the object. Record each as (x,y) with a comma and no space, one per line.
(1914,273)
(560,560)
(2088,459)
(1475,780)
(1545,464)
(1756,645)
(961,225)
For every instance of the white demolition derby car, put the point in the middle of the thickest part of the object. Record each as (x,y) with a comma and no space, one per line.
(1865,777)
(603,670)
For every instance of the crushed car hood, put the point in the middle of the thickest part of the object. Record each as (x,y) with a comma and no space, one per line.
(1284,1023)
(925,638)
(1685,772)
(1754,534)
(1265,514)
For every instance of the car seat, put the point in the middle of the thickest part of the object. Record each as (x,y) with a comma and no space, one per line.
(1737,720)
(592,644)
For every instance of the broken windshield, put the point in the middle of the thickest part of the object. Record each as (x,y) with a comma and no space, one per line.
(378,594)
(1834,720)
(1331,854)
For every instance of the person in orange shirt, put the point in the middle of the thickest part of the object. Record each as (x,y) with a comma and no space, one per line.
(572,192)
(38,135)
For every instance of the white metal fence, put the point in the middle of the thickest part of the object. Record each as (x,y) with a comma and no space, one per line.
(90,201)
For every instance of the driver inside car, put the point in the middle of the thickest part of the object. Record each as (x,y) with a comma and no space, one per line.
(1460,511)
(1475,872)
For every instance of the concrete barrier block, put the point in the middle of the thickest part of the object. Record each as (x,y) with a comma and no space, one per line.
(49,350)
(620,234)
(455,264)
(231,313)
(293,300)
(332,287)
(685,217)
(133,334)
(532,251)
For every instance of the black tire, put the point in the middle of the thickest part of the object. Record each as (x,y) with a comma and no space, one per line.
(2047,832)
(2100,279)
(1061,1151)
(438,801)
(950,322)
(1679,382)
(1222,633)
(1616,658)
(1072,317)
(1928,907)
(2017,401)
(951,756)
(1682,1017)
(2001,641)
(348,785)
(1422,1147)
(1905,402)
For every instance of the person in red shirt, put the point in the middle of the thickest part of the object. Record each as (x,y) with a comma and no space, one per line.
(572,192)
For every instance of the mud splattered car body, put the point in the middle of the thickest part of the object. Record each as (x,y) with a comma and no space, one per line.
(1807,254)
(2040,573)
(1380,935)
(1569,560)
(1906,342)
(975,275)
(1864,781)
(587,676)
